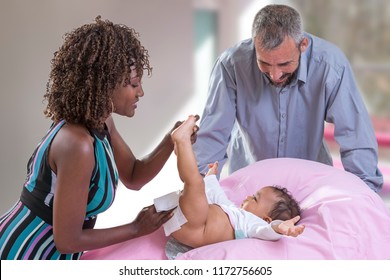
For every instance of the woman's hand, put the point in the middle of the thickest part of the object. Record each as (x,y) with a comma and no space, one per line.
(194,135)
(148,220)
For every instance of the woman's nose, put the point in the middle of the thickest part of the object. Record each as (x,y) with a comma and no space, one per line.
(140,93)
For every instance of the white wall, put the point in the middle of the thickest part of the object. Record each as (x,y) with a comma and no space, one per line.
(30,31)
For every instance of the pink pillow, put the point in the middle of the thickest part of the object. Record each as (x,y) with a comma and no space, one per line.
(344,218)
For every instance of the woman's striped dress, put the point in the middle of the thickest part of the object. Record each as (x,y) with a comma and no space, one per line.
(26,229)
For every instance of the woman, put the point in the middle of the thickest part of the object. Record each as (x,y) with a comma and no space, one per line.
(74,171)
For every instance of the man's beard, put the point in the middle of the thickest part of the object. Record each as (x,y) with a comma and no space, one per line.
(291,77)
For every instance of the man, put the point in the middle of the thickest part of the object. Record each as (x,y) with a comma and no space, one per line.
(270,95)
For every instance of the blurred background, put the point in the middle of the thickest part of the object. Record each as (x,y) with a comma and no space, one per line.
(183,37)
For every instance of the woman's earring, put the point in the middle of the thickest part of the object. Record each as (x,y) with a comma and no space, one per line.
(112,107)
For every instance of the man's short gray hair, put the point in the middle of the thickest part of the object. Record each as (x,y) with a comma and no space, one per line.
(274,22)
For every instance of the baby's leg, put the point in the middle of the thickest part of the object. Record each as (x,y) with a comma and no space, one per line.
(194,205)
(193,201)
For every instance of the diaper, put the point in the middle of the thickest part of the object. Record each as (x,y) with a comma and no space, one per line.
(167,202)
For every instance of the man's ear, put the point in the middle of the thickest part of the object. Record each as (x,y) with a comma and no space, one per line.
(303,45)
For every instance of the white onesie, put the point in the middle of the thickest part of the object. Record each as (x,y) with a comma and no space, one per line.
(245,224)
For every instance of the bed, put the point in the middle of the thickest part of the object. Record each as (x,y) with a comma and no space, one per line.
(344,219)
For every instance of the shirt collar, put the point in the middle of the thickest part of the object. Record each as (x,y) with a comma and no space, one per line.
(302,71)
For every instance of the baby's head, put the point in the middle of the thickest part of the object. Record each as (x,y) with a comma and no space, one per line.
(272,203)
(286,207)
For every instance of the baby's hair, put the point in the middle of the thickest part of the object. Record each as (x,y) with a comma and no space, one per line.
(286,207)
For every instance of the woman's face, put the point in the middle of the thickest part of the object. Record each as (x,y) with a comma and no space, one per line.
(127,94)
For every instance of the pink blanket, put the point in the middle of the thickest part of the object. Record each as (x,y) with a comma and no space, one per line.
(344,218)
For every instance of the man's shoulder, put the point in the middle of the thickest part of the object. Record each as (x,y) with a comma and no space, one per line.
(241,50)
(324,50)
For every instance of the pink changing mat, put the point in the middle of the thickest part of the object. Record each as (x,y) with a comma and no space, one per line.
(344,218)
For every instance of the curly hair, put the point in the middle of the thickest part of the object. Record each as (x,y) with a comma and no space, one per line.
(93,60)
(286,207)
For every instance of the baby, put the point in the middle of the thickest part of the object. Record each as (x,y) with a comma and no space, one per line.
(211,217)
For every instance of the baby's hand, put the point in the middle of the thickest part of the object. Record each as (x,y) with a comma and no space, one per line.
(289,228)
(213,169)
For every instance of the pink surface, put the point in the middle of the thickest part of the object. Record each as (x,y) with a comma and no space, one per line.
(150,247)
(344,219)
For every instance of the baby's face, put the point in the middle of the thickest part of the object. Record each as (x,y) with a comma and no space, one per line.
(261,202)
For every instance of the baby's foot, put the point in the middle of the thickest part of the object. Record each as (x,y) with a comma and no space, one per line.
(213,169)
(185,130)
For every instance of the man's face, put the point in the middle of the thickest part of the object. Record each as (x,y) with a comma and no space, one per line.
(280,65)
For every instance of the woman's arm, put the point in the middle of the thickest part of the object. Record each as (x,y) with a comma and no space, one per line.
(135,173)
(72,159)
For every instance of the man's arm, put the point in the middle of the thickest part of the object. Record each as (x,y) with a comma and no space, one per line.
(354,131)
(217,119)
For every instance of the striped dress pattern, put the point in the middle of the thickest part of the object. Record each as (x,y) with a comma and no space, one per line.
(26,230)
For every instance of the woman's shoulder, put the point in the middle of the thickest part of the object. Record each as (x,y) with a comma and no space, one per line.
(72,138)
(75,131)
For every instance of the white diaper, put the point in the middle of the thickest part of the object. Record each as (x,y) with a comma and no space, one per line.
(167,202)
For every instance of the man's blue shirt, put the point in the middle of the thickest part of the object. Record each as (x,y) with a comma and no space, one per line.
(247,119)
